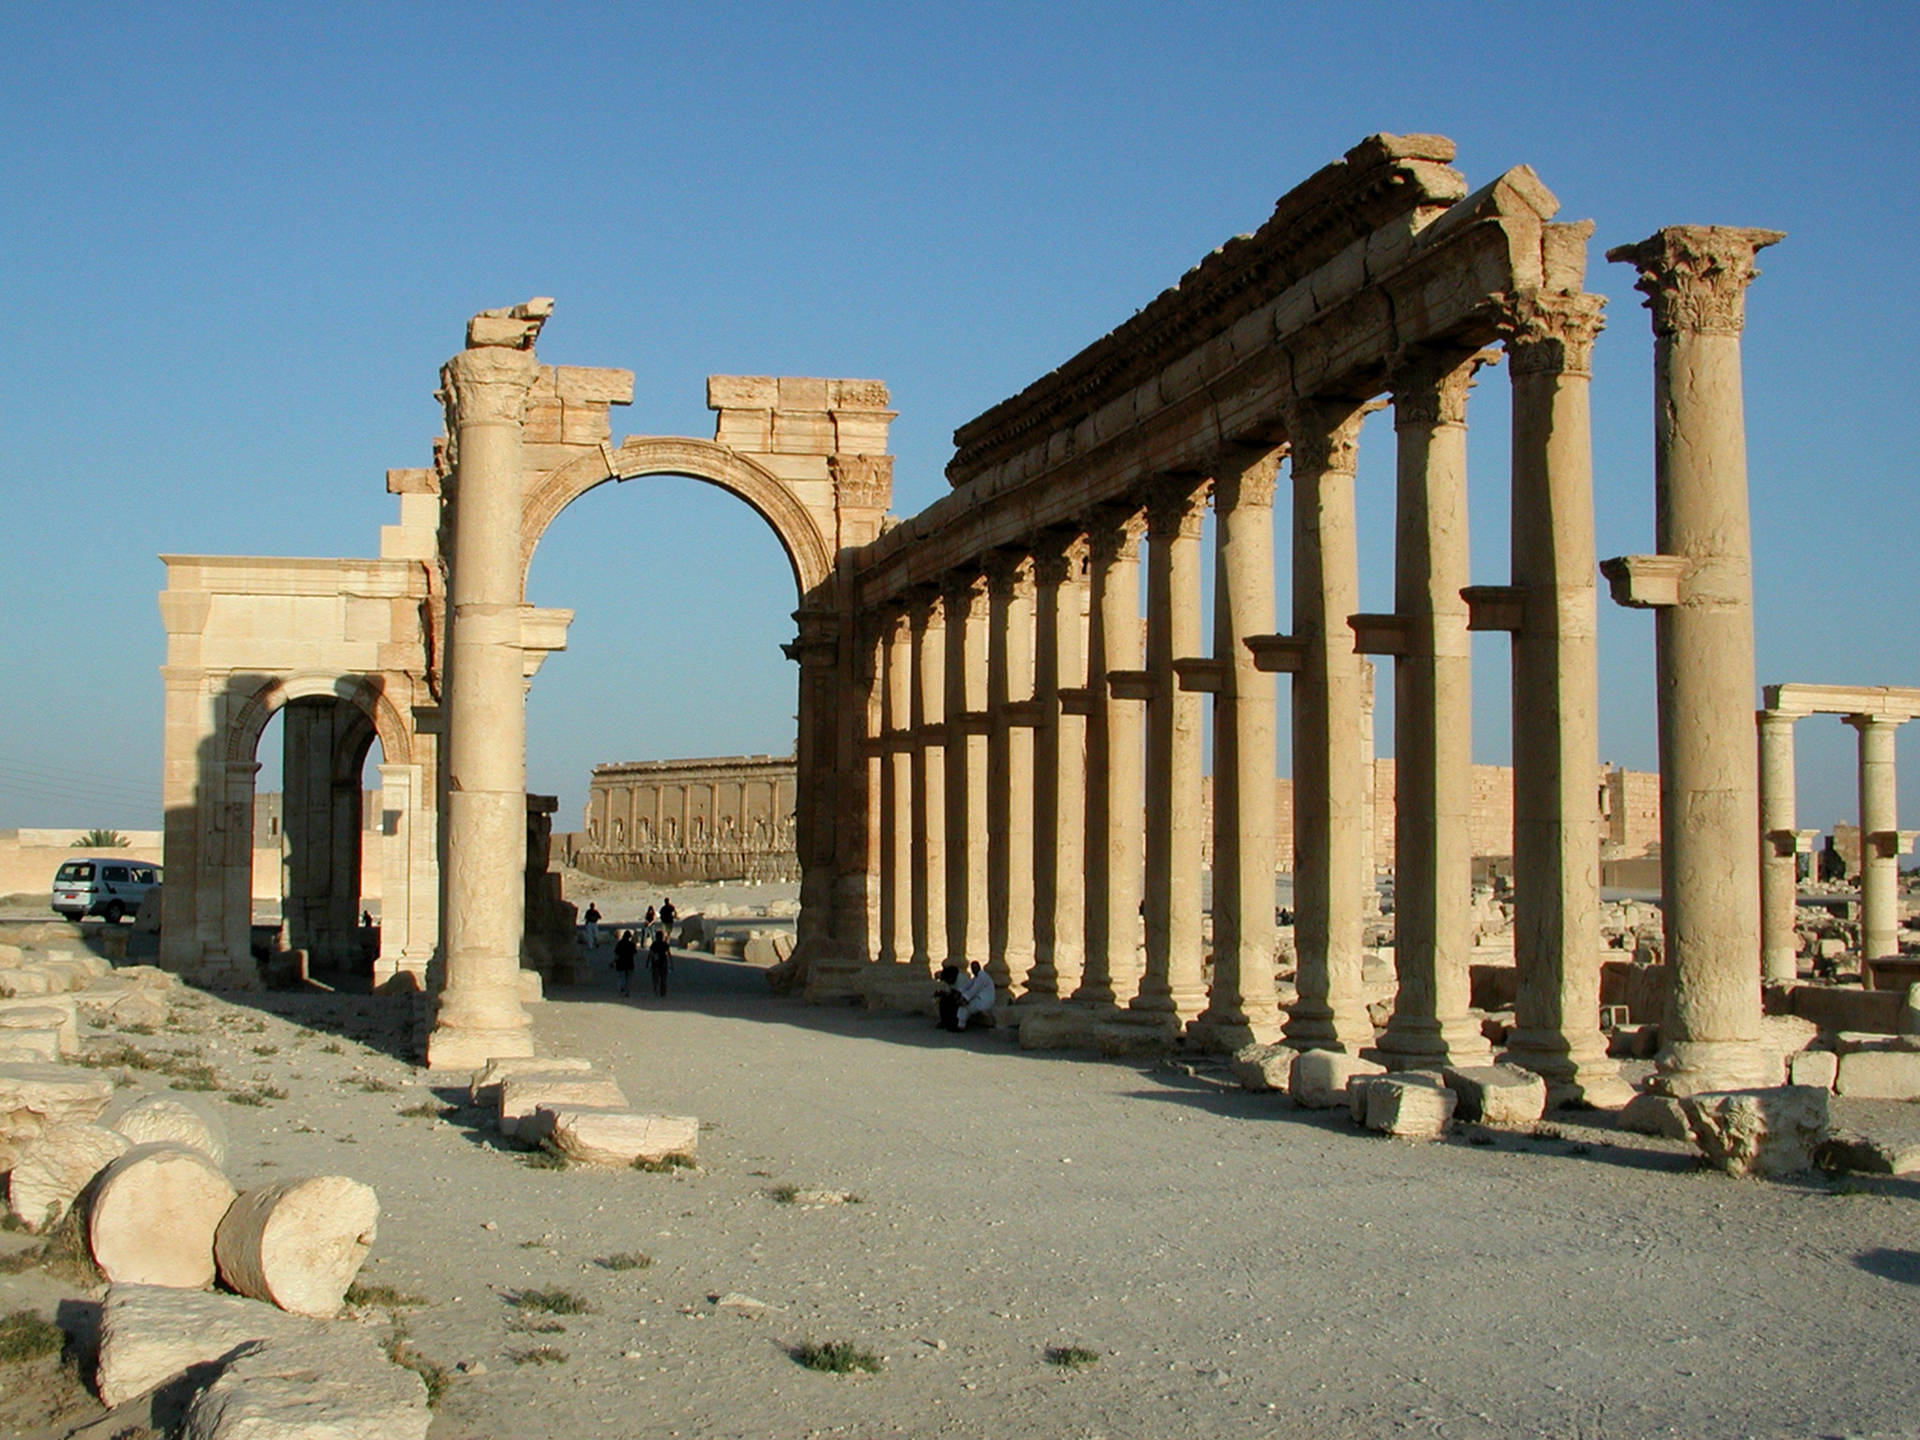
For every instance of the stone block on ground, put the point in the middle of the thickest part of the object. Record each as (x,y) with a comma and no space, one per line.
(298,1244)
(1866,1154)
(1651,1114)
(153,1217)
(171,1117)
(26,980)
(1879,1075)
(67,974)
(331,1384)
(1359,1091)
(151,1333)
(1409,1107)
(36,1045)
(521,1095)
(763,948)
(1814,1067)
(617,1137)
(61,1010)
(1498,1094)
(484,1089)
(1768,1132)
(1318,1079)
(1128,1036)
(139,1005)
(1263,1067)
(1054,1025)
(35,1097)
(55,1166)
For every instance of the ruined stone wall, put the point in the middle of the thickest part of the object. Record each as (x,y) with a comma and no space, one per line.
(691,821)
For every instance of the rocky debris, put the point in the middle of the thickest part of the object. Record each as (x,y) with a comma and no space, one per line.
(615,1137)
(298,1244)
(329,1384)
(1769,1132)
(1263,1067)
(521,1095)
(1651,1114)
(1498,1094)
(740,1304)
(151,1333)
(171,1118)
(1409,1106)
(36,1097)
(31,980)
(1318,1078)
(153,1217)
(484,1089)
(55,1167)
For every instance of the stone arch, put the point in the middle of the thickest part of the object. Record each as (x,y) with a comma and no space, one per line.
(808,551)
(243,729)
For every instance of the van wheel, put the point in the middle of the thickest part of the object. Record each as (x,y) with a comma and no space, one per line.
(113,912)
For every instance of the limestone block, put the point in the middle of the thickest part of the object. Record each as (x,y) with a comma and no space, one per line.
(148,975)
(298,1244)
(27,980)
(1774,1131)
(170,1118)
(729,945)
(68,974)
(1785,1036)
(1127,1036)
(330,1384)
(691,932)
(39,1045)
(612,1137)
(1359,1089)
(1819,1068)
(1318,1080)
(761,949)
(62,1007)
(29,1054)
(1263,1067)
(151,1333)
(154,1213)
(11,955)
(140,1005)
(35,1097)
(1498,1094)
(1051,1026)
(521,1095)
(1879,1075)
(1409,1108)
(1650,1114)
(484,1089)
(55,1167)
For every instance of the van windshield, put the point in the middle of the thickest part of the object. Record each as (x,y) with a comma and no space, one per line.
(76,870)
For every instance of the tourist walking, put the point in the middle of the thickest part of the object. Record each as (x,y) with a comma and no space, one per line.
(646,926)
(624,951)
(668,915)
(660,960)
(592,925)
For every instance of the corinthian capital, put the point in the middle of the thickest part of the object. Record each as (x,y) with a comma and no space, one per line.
(1177,506)
(1695,277)
(487,384)
(1323,433)
(1552,332)
(1244,476)
(1430,387)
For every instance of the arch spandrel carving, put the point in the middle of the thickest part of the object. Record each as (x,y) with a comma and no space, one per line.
(808,550)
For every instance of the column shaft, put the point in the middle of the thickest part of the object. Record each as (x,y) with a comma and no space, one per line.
(1879,838)
(1059,763)
(1010,771)
(1779,850)
(929,878)
(1114,812)
(964,602)
(896,795)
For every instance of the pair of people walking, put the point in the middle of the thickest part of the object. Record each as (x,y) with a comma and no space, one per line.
(659,960)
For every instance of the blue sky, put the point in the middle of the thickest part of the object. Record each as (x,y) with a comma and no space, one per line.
(242,239)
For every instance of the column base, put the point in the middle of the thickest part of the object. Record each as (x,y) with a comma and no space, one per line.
(1429,1044)
(1224,1034)
(1689,1067)
(1316,1025)
(1187,1006)
(452,1047)
(1587,1078)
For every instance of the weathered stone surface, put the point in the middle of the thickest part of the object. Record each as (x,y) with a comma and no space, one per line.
(1775,1131)
(1814,1067)
(1498,1094)
(172,1118)
(298,1244)
(55,1167)
(1409,1108)
(39,1045)
(1650,1114)
(1046,1026)
(58,1010)
(151,975)
(1359,1089)
(154,1214)
(521,1095)
(1869,1154)
(1263,1067)
(36,1097)
(1786,1036)
(332,1384)
(1879,1075)
(151,1333)
(1318,1080)
(28,980)
(484,1089)
(611,1137)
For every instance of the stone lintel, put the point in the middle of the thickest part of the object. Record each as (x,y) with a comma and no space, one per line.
(542,629)
(1887,702)
(1201,675)
(1379,634)
(1647,582)
(1495,607)
(1130,684)
(1277,654)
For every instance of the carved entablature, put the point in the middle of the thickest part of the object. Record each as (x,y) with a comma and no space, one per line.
(1009,572)
(1549,333)
(1695,277)
(862,481)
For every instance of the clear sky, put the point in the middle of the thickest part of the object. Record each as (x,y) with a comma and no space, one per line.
(241,239)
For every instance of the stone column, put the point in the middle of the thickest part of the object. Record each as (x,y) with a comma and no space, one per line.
(1176,507)
(405,877)
(1115,815)
(1332,694)
(964,601)
(1879,838)
(1059,770)
(479,1016)
(1779,850)
(821,782)
(896,794)
(1702,588)
(1556,697)
(929,781)
(1242,1006)
(1010,769)
(1432,722)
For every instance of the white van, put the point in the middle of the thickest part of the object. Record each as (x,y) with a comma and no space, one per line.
(109,888)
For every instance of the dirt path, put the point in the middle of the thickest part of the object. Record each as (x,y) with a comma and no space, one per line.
(1237,1268)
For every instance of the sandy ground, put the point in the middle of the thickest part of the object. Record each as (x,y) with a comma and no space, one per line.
(1239,1268)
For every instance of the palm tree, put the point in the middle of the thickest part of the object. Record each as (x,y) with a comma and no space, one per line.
(100,840)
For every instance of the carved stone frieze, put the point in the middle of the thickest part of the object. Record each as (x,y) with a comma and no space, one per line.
(1552,333)
(1695,277)
(862,481)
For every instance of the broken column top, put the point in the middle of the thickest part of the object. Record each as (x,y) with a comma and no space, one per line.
(1695,277)
(515,328)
